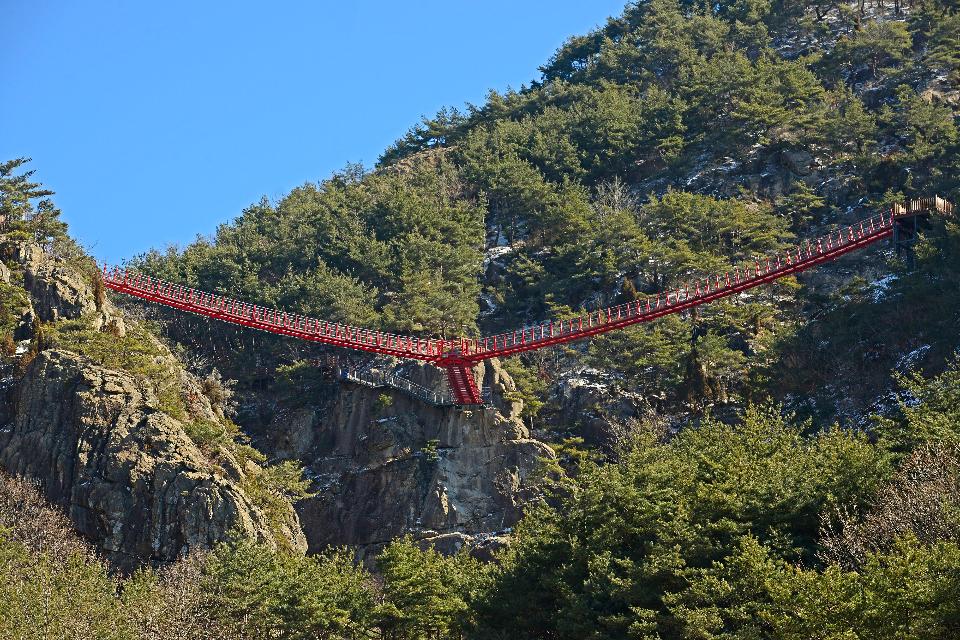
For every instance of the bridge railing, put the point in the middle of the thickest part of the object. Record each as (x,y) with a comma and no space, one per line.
(794,259)
(272,319)
(374,379)
(280,322)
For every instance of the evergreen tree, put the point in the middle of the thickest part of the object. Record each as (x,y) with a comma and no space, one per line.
(425,594)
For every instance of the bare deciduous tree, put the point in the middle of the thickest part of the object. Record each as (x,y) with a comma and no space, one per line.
(922,500)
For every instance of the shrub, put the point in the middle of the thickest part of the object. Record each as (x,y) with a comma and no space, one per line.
(425,594)
(272,489)
(136,352)
(219,391)
(211,436)
(384,401)
(257,592)
(430,451)
(13,302)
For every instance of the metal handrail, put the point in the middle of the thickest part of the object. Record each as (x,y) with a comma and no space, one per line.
(381,379)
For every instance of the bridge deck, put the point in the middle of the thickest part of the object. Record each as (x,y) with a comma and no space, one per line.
(458,355)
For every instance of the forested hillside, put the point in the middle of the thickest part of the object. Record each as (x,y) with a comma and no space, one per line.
(785,464)
(669,143)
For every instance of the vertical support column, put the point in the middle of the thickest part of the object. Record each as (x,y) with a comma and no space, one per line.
(462,384)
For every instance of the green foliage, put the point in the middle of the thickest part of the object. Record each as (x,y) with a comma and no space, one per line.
(940,27)
(910,592)
(719,531)
(530,386)
(331,249)
(669,97)
(849,127)
(211,436)
(384,401)
(650,356)
(877,43)
(921,128)
(610,559)
(20,217)
(273,488)
(705,362)
(13,303)
(929,413)
(46,597)
(571,454)
(441,131)
(299,381)
(425,595)
(802,205)
(258,592)
(53,586)
(430,452)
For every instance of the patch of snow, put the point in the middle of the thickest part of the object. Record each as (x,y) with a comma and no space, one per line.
(495,253)
(501,238)
(586,378)
(907,361)
(491,306)
(22,347)
(694,178)
(729,164)
(881,286)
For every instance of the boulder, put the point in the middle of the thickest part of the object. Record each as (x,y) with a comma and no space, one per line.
(799,162)
(61,291)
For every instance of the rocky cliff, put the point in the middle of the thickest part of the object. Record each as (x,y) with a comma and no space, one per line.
(109,449)
(386,464)
(101,440)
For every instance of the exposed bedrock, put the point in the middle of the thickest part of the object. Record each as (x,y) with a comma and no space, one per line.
(387,464)
(126,474)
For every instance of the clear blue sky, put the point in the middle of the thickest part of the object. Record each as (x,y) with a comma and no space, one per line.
(157,121)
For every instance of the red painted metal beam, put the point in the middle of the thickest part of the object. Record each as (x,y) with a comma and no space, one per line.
(271,320)
(645,310)
(799,258)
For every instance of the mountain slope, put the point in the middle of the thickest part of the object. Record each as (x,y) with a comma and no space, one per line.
(672,142)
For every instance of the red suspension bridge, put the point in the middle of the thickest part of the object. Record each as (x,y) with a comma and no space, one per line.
(459,355)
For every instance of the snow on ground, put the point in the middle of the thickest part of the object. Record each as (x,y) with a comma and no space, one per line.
(907,361)
(489,307)
(495,253)
(881,286)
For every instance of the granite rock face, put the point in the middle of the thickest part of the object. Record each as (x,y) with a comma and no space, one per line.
(126,474)
(387,464)
(58,291)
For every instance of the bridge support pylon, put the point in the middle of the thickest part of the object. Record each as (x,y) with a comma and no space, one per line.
(462,383)
(909,220)
(906,232)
